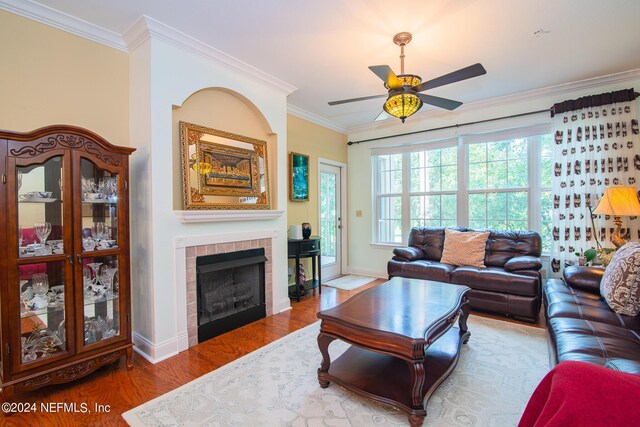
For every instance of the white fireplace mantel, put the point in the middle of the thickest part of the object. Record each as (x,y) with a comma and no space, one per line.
(193,216)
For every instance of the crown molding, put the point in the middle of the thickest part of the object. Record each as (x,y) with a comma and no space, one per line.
(314,118)
(62,21)
(146,27)
(625,76)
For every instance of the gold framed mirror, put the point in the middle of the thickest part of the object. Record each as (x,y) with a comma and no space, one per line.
(223,170)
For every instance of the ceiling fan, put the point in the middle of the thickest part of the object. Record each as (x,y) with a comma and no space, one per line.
(404,97)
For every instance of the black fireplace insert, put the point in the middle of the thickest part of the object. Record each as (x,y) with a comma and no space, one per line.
(230,291)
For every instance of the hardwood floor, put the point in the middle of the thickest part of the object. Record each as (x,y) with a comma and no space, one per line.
(122,390)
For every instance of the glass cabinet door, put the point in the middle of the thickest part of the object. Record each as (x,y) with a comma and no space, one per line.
(41,278)
(42,310)
(100,253)
(40,209)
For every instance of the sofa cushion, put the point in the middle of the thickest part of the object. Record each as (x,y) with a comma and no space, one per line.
(420,269)
(464,247)
(410,253)
(495,279)
(585,278)
(620,284)
(523,263)
(503,245)
(597,343)
(564,301)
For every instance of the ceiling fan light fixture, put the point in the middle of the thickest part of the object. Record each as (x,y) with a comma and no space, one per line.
(402,105)
(407,80)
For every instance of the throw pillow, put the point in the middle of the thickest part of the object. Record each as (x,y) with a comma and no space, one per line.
(464,248)
(620,285)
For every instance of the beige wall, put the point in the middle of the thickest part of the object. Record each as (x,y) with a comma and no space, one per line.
(223,110)
(48,76)
(315,141)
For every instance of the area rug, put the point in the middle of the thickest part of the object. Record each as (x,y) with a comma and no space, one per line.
(277,386)
(349,282)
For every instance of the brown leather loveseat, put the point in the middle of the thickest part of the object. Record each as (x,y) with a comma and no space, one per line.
(510,285)
(582,327)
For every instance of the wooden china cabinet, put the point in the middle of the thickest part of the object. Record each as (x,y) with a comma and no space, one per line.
(65,299)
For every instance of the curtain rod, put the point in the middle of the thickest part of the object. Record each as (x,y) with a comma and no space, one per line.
(451,126)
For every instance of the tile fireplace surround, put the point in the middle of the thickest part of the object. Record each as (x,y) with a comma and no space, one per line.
(188,248)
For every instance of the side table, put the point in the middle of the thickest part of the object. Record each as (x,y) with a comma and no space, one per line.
(305,248)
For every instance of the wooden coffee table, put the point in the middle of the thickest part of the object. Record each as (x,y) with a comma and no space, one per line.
(403,341)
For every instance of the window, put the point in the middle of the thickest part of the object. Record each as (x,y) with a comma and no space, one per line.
(389,195)
(498,185)
(432,194)
(499,181)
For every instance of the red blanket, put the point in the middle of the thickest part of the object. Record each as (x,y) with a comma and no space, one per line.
(582,394)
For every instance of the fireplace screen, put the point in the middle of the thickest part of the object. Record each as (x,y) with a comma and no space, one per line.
(230,291)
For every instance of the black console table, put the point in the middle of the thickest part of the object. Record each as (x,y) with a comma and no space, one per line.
(305,248)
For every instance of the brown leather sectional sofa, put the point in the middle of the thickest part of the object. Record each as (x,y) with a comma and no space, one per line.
(583,328)
(510,285)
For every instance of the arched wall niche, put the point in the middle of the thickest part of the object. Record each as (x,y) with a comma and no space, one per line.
(229,111)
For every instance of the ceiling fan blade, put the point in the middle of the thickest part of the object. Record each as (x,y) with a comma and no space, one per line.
(474,70)
(364,98)
(448,104)
(387,75)
(382,116)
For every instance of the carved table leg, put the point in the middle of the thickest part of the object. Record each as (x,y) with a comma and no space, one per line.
(462,322)
(323,343)
(416,374)
(130,358)
(416,420)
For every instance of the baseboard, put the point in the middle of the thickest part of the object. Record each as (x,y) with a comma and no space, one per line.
(281,305)
(154,353)
(369,273)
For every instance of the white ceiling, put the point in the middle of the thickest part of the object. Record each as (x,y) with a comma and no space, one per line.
(323,47)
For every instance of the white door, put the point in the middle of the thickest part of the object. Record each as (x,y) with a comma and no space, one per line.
(330,214)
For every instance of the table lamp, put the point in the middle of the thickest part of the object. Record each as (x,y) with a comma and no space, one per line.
(619,201)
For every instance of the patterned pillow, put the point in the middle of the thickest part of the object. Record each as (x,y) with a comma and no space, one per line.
(620,285)
(464,247)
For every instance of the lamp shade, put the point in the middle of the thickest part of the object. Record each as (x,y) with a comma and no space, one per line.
(402,105)
(619,201)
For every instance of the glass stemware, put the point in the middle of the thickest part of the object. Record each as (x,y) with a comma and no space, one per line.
(92,291)
(42,229)
(106,278)
(88,185)
(40,286)
(20,236)
(97,230)
(95,266)
(87,281)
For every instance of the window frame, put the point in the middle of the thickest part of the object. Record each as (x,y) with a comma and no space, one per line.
(533,134)
(441,146)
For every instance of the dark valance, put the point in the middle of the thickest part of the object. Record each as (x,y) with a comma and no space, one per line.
(593,101)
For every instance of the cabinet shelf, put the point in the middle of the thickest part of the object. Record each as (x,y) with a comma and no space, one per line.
(99,202)
(52,307)
(37,259)
(89,301)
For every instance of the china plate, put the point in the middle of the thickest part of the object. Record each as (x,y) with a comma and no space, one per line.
(38,200)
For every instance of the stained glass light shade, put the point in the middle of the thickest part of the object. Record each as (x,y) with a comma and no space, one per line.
(408,80)
(402,105)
